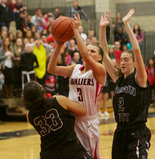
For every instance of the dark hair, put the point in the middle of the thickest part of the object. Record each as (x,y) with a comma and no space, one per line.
(148,65)
(131,53)
(100,52)
(139,29)
(33,94)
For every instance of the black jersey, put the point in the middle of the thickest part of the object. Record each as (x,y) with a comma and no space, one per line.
(131,102)
(56,127)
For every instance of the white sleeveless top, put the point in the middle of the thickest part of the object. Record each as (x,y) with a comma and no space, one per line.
(84,89)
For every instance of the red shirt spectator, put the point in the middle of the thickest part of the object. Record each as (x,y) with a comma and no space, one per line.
(150,70)
(117,51)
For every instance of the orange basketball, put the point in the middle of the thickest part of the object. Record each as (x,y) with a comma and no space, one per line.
(62,29)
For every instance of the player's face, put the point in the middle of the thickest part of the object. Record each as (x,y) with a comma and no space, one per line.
(127,64)
(93,51)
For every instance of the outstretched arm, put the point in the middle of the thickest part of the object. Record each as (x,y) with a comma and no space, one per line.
(97,68)
(74,107)
(141,76)
(104,22)
(59,70)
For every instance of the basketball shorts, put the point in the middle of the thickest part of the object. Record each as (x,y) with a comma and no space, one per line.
(131,144)
(89,136)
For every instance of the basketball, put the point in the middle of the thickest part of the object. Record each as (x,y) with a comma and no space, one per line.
(62,29)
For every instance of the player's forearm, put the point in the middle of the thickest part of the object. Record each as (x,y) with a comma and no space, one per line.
(81,45)
(132,37)
(53,61)
(103,41)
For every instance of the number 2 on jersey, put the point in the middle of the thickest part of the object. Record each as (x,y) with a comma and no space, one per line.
(80,96)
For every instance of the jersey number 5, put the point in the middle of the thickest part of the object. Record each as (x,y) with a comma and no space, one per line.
(80,96)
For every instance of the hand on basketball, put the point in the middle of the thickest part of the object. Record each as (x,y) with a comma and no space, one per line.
(76,22)
(128,16)
(105,20)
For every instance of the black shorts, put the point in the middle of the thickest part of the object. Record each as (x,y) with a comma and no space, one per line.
(131,144)
(65,154)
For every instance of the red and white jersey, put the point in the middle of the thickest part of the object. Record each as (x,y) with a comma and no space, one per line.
(84,89)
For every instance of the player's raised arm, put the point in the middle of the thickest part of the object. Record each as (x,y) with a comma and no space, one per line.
(58,70)
(141,76)
(104,22)
(88,53)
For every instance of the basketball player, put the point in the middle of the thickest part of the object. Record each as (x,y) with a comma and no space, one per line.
(131,97)
(54,121)
(85,85)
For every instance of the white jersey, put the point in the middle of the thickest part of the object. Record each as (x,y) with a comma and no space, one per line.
(84,88)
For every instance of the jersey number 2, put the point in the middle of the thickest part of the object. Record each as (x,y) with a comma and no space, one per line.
(80,96)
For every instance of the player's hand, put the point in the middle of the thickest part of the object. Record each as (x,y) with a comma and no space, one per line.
(128,16)
(76,23)
(105,20)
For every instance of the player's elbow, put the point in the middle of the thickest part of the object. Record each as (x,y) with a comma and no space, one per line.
(50,70)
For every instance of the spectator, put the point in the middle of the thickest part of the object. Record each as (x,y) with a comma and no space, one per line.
(4,34)
(76,58)
(117,51)
(56,13)
(20,22)
(13,8)
(18,50)
(38,20)
(6,57)
(72,47)
(39,51)
(111,52)
(28,22)
(12,39)
(76,9)
(28,35)
(12,5)
(83,35)
(6,15)
(37,36)
(28,63)
(91,34)
(19,6)
(33,30)
(150,70)
(138,33)
(1,81)
(117,24)
(19,34)
(121,37)
(94,40)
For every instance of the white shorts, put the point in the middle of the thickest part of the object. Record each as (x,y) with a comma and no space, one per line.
(89,136)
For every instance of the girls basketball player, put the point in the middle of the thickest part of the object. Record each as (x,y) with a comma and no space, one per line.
(131,97)
(85,85)
(53,120)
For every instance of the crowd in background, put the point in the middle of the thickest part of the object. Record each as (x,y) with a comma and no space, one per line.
(26,45)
